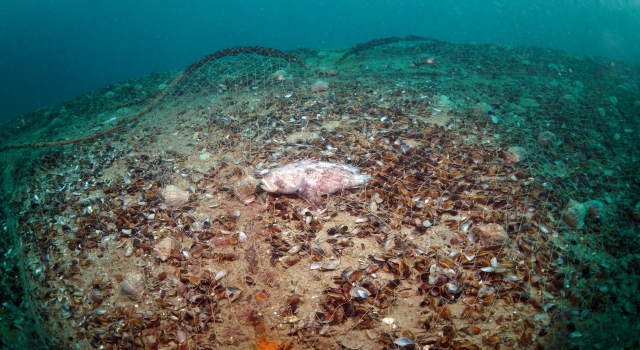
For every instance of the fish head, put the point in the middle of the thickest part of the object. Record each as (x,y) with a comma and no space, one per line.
(283,180)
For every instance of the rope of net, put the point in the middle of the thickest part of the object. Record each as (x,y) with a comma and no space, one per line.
(228,52)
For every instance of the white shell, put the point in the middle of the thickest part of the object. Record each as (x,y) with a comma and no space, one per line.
(316,265)
(165,248)
(245,190)
(359,292)
(221,274)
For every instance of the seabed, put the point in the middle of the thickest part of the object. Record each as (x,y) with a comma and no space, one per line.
(502,212)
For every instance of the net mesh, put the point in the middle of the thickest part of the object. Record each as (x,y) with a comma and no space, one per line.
(500,211)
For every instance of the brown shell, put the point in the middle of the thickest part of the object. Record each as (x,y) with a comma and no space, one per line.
(245,190)
(133,285)
(165,248)
(174,196)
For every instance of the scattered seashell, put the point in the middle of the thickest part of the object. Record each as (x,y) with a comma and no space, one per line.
(294,249)
(182,337)
(359,292)
(388,320)
(403,341)
(331,265)
(245,190)
(220,274)
(99,312)
(316,265)
(513,278)
(66,311)
(174,196)
(471,330)
(166,247)
(232,294)
(132,285)
(128,251)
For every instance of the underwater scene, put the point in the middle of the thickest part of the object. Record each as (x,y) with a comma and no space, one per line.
(405,192)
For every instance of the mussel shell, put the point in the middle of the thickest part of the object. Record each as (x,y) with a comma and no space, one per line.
(359,292)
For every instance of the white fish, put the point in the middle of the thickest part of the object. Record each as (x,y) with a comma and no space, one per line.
(309,179)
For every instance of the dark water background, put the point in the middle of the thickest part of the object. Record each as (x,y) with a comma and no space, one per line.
(52,50)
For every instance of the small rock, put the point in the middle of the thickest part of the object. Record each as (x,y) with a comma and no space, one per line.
(635,213)
(515,154)
(319,86)
(245,190)
(547,139)
(480,108)
(174,196)
(543,318)
(279,75)
(492,234)
(574,214)
(595,208)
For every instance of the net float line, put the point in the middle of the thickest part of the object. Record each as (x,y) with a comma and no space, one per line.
(379,42)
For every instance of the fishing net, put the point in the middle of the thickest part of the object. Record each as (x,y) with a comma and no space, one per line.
(501,209)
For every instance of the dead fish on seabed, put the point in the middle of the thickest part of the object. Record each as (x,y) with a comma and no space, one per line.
(309,179)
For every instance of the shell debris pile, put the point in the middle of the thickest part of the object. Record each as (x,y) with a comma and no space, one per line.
(468,227)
